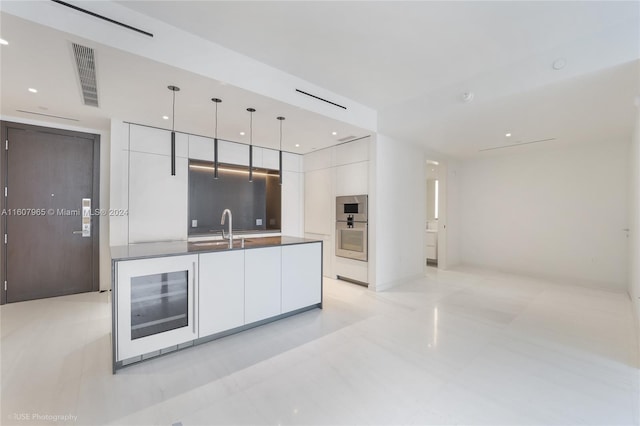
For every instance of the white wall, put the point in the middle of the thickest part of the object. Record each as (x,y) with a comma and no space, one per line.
(634,222)
(555,212)
(399,211)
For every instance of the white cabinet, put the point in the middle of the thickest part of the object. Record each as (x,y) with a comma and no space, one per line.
(352,152)
(301,276)
(157,201)
(432,245)
(233,153)
(319,202)
(156,141)
(221,295)
(352,179)
(271,159)
(292,204)
(262,277)
(201,148)
(156,303)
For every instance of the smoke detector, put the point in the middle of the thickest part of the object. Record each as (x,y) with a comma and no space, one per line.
(559,63)
(467,97)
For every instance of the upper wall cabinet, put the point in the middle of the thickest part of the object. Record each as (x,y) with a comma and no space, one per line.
(156,141)
(347,153)
(233,153)
(352,152)
(352,179)
(157,200)
(270,159)
(291,162)
(200,148)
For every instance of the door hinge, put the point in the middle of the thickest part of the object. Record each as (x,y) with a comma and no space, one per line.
(5,286)
(5,238)
(5,191)
(6,144)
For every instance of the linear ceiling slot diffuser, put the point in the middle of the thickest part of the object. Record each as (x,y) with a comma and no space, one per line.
(104,18)
(47,115)
(321,99)
(516,144)
(86,67)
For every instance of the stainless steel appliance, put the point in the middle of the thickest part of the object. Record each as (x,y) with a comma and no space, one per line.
(351,227)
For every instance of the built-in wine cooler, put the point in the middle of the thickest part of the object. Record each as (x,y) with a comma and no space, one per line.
(156,304)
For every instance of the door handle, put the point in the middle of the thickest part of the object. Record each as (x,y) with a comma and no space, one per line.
(77,232)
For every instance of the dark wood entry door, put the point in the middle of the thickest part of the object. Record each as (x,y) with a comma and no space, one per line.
(48,173)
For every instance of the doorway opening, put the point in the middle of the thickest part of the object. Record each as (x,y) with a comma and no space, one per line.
(50,212)
(433,210)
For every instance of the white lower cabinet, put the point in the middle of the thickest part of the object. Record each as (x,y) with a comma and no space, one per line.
(301,276)
(221,303)
(262,278)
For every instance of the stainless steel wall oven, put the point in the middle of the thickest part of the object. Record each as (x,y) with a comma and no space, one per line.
(352,227)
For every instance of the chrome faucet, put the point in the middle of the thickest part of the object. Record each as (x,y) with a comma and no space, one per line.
(227,211)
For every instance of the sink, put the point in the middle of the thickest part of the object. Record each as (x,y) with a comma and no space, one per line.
(210,243)
(237,243)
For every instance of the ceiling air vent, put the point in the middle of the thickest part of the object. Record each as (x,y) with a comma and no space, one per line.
(86,66)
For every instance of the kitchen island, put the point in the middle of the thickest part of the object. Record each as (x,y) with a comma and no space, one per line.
(172,295)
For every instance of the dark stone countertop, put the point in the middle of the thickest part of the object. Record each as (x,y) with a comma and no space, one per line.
(177,248)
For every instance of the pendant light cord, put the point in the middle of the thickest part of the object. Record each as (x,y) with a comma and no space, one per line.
(280,135)
(173,113)
(251,128)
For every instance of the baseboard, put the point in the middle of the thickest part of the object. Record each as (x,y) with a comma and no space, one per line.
(390,284)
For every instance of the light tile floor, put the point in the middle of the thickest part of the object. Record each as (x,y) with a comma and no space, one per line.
(456,347)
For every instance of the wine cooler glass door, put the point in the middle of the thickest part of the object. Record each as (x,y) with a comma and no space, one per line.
(156,304)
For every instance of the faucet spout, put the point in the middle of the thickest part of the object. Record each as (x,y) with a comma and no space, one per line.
(224,213)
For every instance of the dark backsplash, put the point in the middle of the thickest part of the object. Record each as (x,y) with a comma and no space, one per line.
(248,201)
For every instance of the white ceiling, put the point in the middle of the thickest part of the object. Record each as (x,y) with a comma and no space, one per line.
(134,89)
(412,61)
(409,60)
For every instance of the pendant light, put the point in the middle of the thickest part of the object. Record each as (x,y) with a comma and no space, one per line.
(281,119)
(174,89)
(215,141)
(251,111)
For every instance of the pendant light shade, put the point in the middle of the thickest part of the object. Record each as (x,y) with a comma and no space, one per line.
(281,119)
(215,141)
(251,111)
(174,89)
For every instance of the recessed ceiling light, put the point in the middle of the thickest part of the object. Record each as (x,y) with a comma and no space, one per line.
(3,42)
(241,133)
(32,90)
(508,135)
(297,145)
(334,133)
(165,117)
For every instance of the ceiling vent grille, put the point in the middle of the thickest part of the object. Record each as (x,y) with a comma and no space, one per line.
(346,138)
(86,66)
